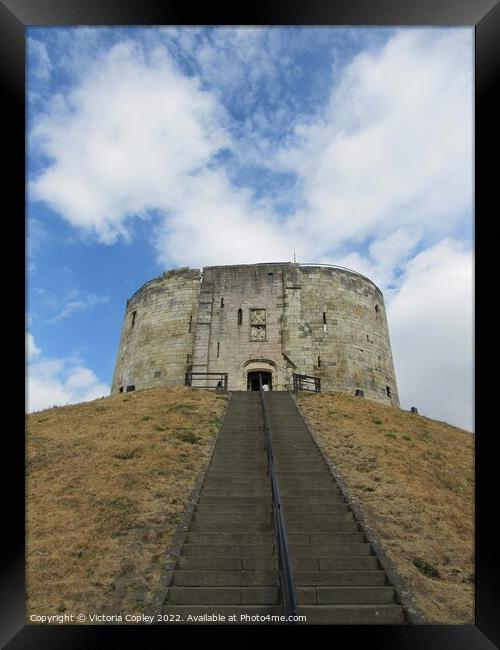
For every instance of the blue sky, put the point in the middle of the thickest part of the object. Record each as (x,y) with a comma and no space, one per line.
(153,148)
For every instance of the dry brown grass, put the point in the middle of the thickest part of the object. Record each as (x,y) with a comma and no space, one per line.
(107,482)
(414,480)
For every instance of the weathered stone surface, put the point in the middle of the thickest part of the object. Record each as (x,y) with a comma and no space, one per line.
(315,320)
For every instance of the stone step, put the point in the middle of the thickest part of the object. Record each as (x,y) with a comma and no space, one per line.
(305,467)
(232,443)
(209,596)
(245,563)
(308,491)
(237,452)
(293,499)
(209,549)
(352,614)
(363,563)
(238,457)
(325,550)
(230,509)
(225,491)
(224,538)
(234,517)
(185,578)
(322,527)
(339,578)
(232,500)
(340,595)
(317,482)
(219,480)
(284,474)
(312,521)
(227,525)
(350,535)
(236,467)
(319,509)
(246,472)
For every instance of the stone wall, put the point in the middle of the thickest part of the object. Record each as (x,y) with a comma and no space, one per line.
(156,342)
(278,317)
(343,336)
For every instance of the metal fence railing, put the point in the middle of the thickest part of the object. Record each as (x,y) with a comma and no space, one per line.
(306,382)
(285,573)
(210,380)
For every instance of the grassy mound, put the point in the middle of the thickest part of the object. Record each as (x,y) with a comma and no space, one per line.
(107,482)
(414,480)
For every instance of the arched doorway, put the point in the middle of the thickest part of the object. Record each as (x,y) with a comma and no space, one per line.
(253,382)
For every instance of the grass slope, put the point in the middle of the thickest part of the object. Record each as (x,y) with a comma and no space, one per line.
(106,483)
(108,480)
(414,480)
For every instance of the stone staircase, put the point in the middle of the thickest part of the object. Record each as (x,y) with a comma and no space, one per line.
(228,565)
(337,576)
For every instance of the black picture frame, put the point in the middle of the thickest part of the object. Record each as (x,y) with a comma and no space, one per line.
(484,16)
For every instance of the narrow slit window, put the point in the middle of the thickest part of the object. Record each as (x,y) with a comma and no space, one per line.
(218,349)
(377,309)
(190,323)
(134,314)
(188,358)
(222,302)
(240,316)
(319,362)
(324,318)
(388,391)
(120,390)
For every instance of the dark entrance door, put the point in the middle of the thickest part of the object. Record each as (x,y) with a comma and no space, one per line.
(253,380)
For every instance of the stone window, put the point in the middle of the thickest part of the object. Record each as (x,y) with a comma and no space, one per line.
(120,390)
(240,316)
(377,310)
(222,302)
(324,321)
(131,387)
(257,324)
(388,391)
(319,362)
(218,349)
(132,322)
(157,374)
(190,323)
(270,278)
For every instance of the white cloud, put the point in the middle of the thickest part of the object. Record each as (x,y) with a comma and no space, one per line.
(31,347)
(58,382)
(391,154)
(124,142)
(431,327)
(39,60)
(394,147)
(77,302)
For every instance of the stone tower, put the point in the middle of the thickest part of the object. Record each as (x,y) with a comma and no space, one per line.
(276,318)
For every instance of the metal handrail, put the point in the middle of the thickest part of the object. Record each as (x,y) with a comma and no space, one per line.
(304,382)
(220,377)
(285,572)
